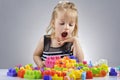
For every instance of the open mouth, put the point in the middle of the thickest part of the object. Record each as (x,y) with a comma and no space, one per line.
(64,34)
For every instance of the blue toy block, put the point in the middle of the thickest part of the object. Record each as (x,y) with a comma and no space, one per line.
(80,67)
(112,72)
(118,68)
(83,76)
(90,64)
(12,72)
(46,77)
(73,57)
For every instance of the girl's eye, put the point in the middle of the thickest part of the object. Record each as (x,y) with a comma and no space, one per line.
(70,25)
(62,23)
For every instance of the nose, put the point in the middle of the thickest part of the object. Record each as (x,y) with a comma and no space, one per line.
(66,27)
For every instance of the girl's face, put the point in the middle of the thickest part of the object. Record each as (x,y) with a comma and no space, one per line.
(64,22)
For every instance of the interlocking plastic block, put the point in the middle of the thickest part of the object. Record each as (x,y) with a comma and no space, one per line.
(83,76)
(36,68)
(72,76)
(66,78)
(50,61)
(19,65)
(89,75)
(46,72)
(17,69)
(21,73)
(12,72)
(73,57)
(77,74)
(118,68)
(35,74)
(55,77)
(84,62)
(112,72)
(46,77)
(103,73)
(95,71)
(80,67)
(90,64)
(28,66)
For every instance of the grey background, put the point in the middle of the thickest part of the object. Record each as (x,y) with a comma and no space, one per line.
(23,22)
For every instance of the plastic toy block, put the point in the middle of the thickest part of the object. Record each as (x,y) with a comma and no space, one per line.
(22,68)
(103,73)
(85,68)
(83,76)
(72,76)
(19,65)
(55,77)
(21,73)
(95,71)
(66,78)
(73,57)
(84,62)
(63,73)
(28,67)
(12,72)
(76,65)
(112,72)
(36,68)
(118,71)
(46,72)
(77,74)
(90,64)
(50,61)
(46,77)
(79,67)
(104,67)
(89,75)
(118,68)
(29,74)
(17,69)
(81,64)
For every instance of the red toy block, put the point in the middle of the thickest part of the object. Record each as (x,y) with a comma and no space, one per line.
(21,73)
(89,75)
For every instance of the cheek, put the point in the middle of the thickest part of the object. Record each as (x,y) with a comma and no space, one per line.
(71,30)
(58,29)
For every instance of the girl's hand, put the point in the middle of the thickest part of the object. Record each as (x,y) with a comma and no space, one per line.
(42,64)
(71,39)
(77,50)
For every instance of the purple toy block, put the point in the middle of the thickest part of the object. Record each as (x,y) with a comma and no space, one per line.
(73,57)
(46,77)
(112,72)
(12,72)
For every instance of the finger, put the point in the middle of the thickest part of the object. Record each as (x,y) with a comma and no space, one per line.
(71,48)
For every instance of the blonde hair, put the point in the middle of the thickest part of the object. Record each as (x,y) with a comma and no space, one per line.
(64,5)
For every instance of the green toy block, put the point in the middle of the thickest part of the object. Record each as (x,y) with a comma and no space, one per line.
(29,74)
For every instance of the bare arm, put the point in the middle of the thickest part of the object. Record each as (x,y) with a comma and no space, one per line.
(77,50)
(38,52)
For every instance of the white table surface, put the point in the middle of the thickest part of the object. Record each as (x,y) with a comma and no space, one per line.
(3,76)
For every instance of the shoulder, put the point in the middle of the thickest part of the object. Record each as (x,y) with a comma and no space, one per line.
(42,38)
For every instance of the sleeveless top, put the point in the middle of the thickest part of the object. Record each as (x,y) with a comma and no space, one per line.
(64,50)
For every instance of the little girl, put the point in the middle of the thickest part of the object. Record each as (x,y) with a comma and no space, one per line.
(62,39)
